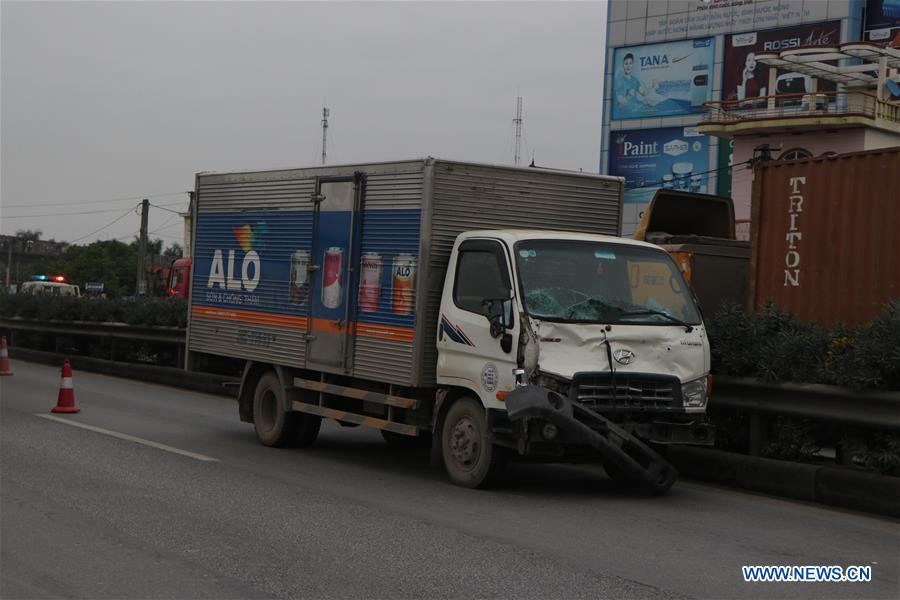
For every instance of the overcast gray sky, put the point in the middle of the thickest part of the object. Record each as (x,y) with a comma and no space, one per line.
(112,100)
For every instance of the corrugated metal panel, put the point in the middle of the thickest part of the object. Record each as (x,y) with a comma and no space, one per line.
(282,345)
(383,360)
(391,220)
(468,197)
(825,236)
(394,190)
(260,204)
(270,195)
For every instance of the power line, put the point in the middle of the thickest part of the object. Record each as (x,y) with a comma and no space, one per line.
(163,208)
(655,184)
(93,201)
(113,222)
(84,212)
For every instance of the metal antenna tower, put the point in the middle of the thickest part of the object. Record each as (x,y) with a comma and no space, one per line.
(518,122)
(325,113)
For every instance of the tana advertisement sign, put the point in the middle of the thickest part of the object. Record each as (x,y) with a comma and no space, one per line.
(744,78)
(649,159)
(662,80)
(882,20)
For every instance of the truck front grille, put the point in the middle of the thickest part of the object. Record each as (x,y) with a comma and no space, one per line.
(632,392)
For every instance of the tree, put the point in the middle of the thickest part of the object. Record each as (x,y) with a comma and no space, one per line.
(29,235)
(174,251)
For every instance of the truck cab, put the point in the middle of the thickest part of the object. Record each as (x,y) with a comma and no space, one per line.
(596,322)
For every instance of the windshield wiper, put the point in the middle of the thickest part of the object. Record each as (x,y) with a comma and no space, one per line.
(651,311)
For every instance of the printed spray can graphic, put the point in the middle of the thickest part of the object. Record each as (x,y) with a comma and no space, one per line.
(403,283)
(333,277)
(370,283)
(299,287)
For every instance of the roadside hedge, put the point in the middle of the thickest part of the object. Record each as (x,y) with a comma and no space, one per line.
(142,312)
(774,346)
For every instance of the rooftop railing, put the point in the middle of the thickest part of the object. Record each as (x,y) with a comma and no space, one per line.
(819,104)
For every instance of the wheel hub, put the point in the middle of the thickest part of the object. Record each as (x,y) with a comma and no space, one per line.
(465,443)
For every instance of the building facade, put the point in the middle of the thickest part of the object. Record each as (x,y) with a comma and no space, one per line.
(667,61)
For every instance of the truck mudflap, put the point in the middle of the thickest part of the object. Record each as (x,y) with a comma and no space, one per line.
(581,425)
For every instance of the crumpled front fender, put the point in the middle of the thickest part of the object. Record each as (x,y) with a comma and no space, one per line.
(582,425)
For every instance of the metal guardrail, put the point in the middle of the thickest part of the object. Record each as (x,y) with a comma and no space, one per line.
(872,409)
(121,331)
(821,402)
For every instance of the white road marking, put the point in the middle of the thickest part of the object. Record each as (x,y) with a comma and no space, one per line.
(129,438)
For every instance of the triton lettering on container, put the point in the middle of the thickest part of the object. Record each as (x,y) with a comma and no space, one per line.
(403,280)
(447,302)
(331,288)
(824,233)
(370,283)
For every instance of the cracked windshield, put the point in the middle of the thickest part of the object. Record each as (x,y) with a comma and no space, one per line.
(602,283)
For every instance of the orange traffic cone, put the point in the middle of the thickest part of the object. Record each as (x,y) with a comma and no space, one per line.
(4,358)
(65,403)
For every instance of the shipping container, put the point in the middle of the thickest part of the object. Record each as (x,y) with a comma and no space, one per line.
(825,236)
(355,256)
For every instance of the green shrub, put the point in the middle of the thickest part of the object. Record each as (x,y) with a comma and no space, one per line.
(774,346)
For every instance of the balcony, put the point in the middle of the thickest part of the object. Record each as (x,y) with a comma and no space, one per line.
(801,112)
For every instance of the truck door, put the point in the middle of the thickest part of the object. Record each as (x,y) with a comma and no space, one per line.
(334,252)
(469,352)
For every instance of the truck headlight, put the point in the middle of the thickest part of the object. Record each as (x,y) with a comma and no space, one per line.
(693,393)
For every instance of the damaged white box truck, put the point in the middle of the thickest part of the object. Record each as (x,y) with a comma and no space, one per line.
(489,311)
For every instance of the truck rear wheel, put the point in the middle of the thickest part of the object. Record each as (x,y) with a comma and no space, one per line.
(470,458)
(274,425)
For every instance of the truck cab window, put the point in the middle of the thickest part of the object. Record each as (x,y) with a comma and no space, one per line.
(479,276)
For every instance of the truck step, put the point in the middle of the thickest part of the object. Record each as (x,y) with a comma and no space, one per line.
(342,415)
(355,393)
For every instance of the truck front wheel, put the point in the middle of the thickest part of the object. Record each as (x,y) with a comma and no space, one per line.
(470,458)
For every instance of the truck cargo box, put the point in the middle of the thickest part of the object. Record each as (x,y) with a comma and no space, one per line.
(340,269)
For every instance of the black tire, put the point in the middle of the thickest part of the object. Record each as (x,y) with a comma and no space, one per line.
(470,458)
(306,429)
(398,441)
(275,426)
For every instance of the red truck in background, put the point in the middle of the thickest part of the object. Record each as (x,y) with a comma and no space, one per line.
(179,278)
(172,281)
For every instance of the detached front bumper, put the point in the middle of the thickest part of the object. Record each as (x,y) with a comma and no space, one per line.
(578,424)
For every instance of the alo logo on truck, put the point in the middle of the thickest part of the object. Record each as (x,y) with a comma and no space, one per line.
(221,270)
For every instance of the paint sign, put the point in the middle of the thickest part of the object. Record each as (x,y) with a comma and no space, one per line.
(661,80)
(650,159)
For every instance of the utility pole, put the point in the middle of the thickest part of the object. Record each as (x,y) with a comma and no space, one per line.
(518,122)
(141,287)
(325,113)
(9,261)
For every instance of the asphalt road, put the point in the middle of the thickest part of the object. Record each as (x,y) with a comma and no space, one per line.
(85,514)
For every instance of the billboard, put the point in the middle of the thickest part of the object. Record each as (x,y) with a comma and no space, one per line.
(711,17)
(725,161)
(743,78)
(882,20)
(649,159)
(662,80)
